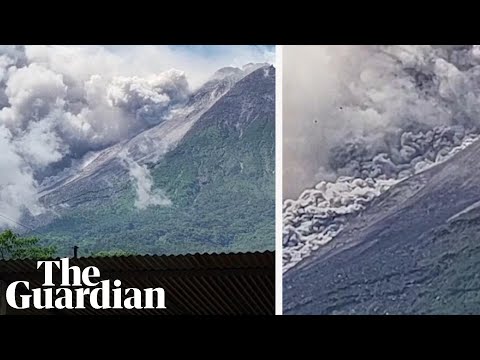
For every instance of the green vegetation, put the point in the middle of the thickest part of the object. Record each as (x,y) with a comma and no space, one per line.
(12,246)
(221,183)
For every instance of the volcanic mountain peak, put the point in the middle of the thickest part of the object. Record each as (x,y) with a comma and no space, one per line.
(201,180)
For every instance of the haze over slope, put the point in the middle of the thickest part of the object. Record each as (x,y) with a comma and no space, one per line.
(203,181)
(60,105)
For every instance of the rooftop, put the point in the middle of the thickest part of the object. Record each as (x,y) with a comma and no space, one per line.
(197,284)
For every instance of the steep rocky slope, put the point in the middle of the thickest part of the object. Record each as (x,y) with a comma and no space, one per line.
(214,162)
(413,250)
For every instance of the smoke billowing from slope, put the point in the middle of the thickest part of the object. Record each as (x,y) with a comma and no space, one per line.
(348,104)
(361,118)
(59,102)
(146,195)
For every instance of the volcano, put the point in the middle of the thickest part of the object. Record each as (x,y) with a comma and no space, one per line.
(200,181)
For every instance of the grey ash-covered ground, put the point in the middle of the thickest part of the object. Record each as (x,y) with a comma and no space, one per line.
(414,250)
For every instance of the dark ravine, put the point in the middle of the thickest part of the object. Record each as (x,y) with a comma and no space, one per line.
(219,177)
(414,250)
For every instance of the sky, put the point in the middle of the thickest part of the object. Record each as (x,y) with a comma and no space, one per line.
(198,61)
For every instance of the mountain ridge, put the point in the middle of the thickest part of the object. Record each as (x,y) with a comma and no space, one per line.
(90,210)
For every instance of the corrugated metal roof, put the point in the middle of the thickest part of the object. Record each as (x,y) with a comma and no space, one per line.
(234,283)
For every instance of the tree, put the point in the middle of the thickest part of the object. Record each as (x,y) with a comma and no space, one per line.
(12,246)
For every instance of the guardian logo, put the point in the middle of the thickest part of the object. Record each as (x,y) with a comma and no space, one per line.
(77,287)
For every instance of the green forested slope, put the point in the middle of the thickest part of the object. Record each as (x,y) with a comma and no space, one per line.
(220,179)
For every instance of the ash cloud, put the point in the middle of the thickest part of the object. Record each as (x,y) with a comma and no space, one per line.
(364,111)
(17,185)
(146,195)
(359,119)
(59,103)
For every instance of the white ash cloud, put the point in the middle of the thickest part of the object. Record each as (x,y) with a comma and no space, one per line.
(57,103)
(146,195)
(148,98)
(83,96)
(358,119)
(320,213)
(346,104)
(17,186)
